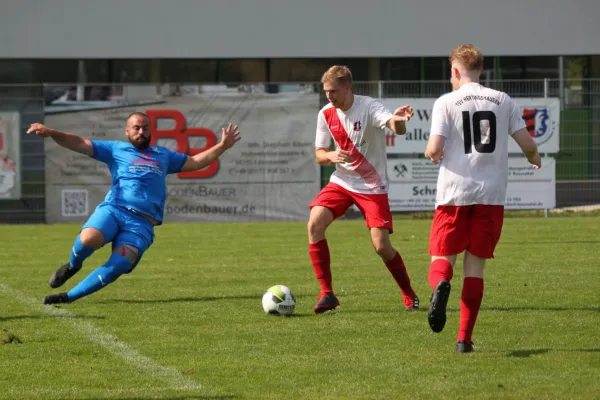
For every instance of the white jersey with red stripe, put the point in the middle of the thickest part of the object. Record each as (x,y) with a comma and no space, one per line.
(361,131)
(476,122)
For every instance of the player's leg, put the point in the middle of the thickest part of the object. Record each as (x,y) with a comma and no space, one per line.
(485,228)
(470,300)
(448,238)
(378,218)
(99,229)
(120,262)
(330,203)
(133,238)
(380,238)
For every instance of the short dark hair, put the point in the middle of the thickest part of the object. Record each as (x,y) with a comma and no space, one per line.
(139,114)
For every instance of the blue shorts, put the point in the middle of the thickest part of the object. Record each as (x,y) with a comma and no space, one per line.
(121,226)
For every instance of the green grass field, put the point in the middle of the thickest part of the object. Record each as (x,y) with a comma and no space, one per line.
(188,323)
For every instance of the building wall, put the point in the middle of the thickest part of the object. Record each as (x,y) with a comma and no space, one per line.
(212,29)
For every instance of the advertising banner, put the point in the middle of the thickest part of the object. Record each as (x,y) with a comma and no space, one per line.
(413,185)
(269,175)
(10,151)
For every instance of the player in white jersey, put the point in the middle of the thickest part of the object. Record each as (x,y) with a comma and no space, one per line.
(357,125)
(470,130)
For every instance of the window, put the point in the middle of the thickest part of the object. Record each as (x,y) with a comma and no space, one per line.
(576,73)
(401,69)
(188,71)
(541,67)
(56,70)
(533,67)
(242,71)
(436,68)
(131,71)
(17,71)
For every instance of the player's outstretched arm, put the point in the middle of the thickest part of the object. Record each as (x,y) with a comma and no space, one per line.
(399,119)
(528,147)
(229,137)
(69,141)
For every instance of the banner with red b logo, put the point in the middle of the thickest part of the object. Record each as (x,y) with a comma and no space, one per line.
(269,175)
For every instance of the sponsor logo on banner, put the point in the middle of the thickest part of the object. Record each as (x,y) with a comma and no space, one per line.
(538,124)
(181,133)
(401,170)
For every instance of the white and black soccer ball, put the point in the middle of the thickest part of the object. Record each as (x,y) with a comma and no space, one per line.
(278,300)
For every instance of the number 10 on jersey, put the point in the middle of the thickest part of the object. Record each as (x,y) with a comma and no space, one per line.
(485,142)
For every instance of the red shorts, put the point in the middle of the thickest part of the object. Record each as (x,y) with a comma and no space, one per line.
(374,207)
(476,228)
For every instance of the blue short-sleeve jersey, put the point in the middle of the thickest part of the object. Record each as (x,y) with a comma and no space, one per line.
(138,176)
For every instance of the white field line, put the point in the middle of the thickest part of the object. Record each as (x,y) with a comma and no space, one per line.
(108,342)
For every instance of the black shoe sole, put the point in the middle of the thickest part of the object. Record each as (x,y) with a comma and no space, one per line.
(56,280)
(437,309)
(56,299)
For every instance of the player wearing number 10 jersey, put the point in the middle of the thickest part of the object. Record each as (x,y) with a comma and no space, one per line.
(470,130)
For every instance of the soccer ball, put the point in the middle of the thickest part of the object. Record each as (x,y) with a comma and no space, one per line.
(278,300)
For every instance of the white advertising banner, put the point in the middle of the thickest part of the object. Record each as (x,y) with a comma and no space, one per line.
(413,184)
(10,151)
(269,175)
(541,115)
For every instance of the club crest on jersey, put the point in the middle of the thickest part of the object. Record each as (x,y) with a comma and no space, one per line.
(538,123)
(357,126)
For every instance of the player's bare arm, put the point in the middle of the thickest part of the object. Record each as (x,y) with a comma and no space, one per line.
(69,141)
(399,119)
(435,148)
(528,147)
(326,157)
(229,137)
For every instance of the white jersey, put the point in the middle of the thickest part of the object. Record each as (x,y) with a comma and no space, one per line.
(361,131)
(476,122)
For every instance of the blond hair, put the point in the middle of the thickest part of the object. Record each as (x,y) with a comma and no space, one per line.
(338,73)
(469,56)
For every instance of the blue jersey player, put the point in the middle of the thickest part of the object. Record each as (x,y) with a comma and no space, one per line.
(133,206)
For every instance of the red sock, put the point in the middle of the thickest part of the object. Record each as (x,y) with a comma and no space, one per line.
(439,270)
(398,269)
(319,257)
(470,301)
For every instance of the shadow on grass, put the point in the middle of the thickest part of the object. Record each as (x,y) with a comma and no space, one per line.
(175,397)
(552,242)
(296,315)
(186,299)
(504,309)
(19,317)
(527,353)
(178,299)
(534,352)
